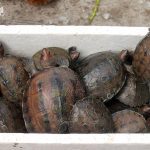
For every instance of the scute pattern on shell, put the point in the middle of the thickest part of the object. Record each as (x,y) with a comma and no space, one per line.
(103,74)
(134,93)
(13,78)
(59,57)
(128,121)
(90,116)
(49,100)
(141,59)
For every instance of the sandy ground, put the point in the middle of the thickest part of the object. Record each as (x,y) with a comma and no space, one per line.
(76,12)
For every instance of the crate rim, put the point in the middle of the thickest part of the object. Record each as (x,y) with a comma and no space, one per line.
(94,30)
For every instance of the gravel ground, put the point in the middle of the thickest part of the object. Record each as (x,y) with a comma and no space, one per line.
(76,12)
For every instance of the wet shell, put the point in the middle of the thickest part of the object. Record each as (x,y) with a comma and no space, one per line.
(134,93)
(13,78)
(50,98)
(103,74)
(39,2)
(90,116)
(128,121)
(57,57)
(16,111)
(29,66)
(7,124)
(141,59)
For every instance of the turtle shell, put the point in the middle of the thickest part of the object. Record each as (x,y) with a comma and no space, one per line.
(103,74)
(13,78)
(141,59)
(90,116)
(29,66)
(56,57)
(16,111)
(128,121)
(39,2)
(7,123)
(134,93)
(49,99)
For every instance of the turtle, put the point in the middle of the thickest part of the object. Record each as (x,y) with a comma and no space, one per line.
(90,115)
(7,123)
(17,116)
(128,121)
(39,2)
(13,78)
(55,56)
(102,73)
(141,59)
(29,66)
(134,93)
(115,105)
(49,98)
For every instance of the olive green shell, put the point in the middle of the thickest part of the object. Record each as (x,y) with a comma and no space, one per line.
(141,59)
(49,99)
(128,121)
(90,116)
(59,57)
(7,124)
(134,93)
(103,74)
(13,78)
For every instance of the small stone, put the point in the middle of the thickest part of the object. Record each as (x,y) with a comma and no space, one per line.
(106,16)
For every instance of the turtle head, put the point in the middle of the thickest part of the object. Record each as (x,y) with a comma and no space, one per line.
(46,59)
(74,54)
(46,55)
(1,50)
(126,57)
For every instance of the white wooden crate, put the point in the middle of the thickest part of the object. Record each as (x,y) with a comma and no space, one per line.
(26,40)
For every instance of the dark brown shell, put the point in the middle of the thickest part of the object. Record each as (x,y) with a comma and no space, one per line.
(56,57)
(13,78)
(16,111)
(103,74)
(141,59)
(50,98)
(90,116)
(134,93)
(128,121)
(7,124)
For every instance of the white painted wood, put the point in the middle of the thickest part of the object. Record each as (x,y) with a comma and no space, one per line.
(26,40)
